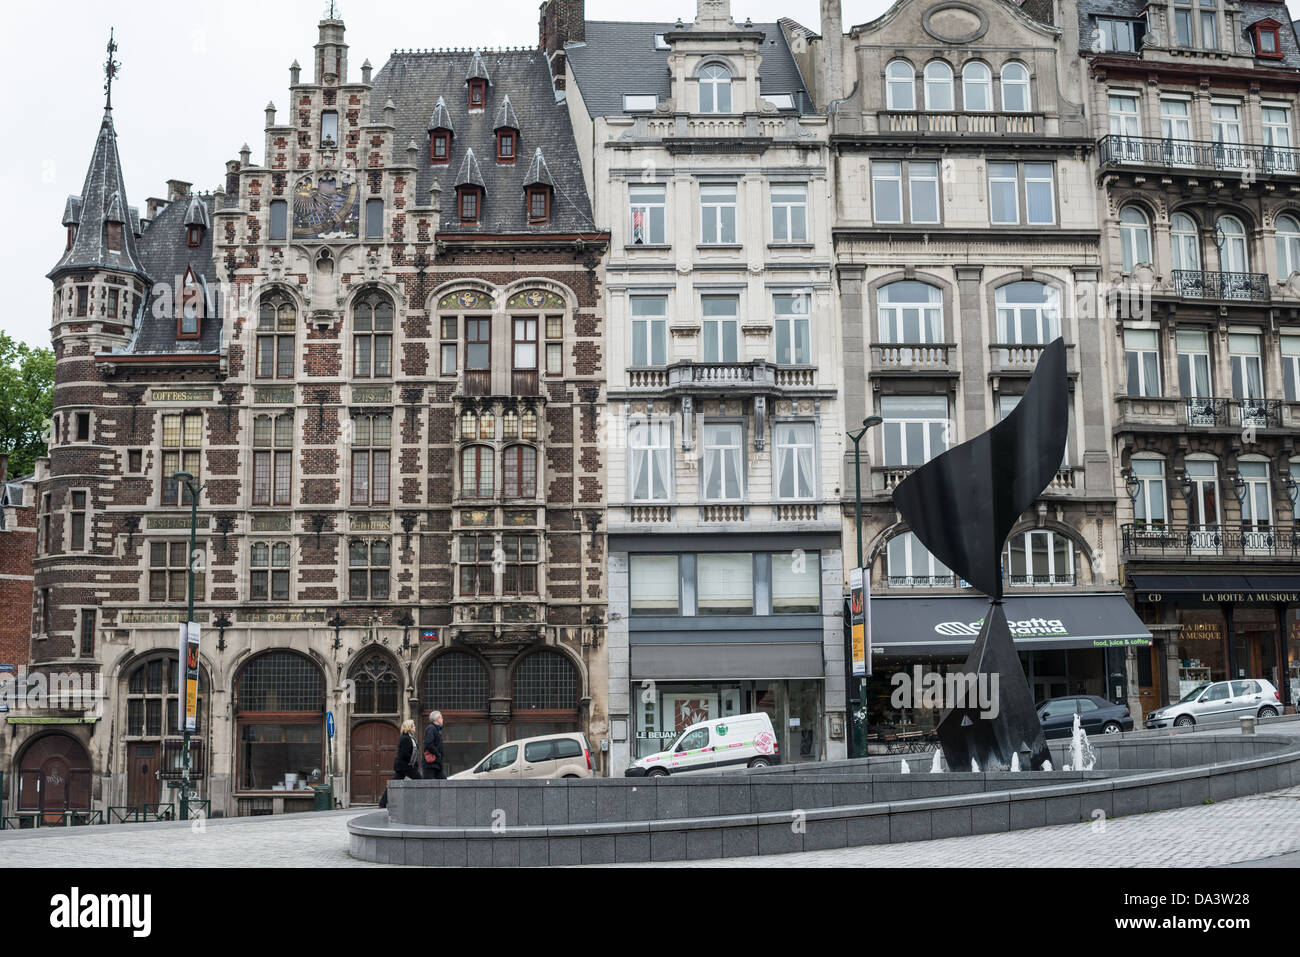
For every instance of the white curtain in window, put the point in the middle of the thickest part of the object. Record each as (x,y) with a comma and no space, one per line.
(652,581)
(794,444)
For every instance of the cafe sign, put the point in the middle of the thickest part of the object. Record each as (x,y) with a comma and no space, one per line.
(162,523)
(370,523)
(180,395)
(281,617)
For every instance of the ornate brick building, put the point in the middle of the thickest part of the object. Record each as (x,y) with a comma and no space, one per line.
(378,351)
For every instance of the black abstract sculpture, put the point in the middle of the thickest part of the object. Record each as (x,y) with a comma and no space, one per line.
(962,505)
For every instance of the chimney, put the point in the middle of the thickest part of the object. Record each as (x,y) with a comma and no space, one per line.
(561,22)
(153,206)
(177,189)
(832,53)
(713,14)
(331,54)
(232,177)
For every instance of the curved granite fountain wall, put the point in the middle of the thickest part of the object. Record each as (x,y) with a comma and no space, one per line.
(838,804)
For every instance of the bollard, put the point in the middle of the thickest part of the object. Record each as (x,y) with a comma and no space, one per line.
(1247,724)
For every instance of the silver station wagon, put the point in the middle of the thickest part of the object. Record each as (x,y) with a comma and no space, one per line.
(1219,701)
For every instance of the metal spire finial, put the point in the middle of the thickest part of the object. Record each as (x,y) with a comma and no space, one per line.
(111,69)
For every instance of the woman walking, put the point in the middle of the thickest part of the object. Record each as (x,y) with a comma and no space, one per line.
(407,762)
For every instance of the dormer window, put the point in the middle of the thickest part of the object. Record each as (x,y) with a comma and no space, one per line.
(469,199)
(715,90)
(440,148)
(329,128)
(72,235)
(477,94)
(1267,39)
(506,146)
(194,237)
(190,308)
(539,205)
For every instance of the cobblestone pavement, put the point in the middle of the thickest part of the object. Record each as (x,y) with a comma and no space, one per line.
(1242,830)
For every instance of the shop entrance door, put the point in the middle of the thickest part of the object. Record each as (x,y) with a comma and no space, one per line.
(374,748)
(142,783)
(1149,675)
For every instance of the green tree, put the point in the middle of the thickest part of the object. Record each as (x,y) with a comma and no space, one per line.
(26,402)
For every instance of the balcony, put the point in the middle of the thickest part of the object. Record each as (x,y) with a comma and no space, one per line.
(1015,124)
(1191,156)
(724,379)
(913,358)
(1221,286)
(1011,358)
(1211,541)
(1201,413)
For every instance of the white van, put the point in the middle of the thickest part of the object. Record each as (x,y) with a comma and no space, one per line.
(742,740)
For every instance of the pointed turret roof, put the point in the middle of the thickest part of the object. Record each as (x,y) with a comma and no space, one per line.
(506,118)
(102,200)
(539,174)
(441,119)
(470,174)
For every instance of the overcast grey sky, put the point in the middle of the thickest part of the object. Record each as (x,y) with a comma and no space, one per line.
(195,80)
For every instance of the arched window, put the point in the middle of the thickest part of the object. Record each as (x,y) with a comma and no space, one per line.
(1186,242)
(1149,501)
(280,709)
(277,321)
(1288,247)
(900,86)
(910,565)
(1234,254)
(976,87)
(1134,237)
(375,685)
(1029,313)
(1015,88)
(545,699)
(715,90)
(1039,557)
(910,313)
(519,468)
(153,733)
(477,471)
(457,684)
(372,342)
(938,86)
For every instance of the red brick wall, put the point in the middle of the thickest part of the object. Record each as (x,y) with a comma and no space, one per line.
(17,546)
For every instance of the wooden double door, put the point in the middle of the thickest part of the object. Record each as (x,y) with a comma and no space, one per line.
(370,768)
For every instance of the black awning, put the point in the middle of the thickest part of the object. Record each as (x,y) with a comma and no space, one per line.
(949,624)
(1220,588)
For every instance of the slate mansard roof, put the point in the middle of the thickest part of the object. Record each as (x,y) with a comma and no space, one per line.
(102,200)
(621,58)
(416,81)
(1252,11)
(167,257)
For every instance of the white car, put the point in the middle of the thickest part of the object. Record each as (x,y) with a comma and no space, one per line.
(1219,701)
(549,756)
(739,741)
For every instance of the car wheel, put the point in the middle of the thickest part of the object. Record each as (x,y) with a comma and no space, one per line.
(568,776)
(760,763)
(656,773)
(1111,727)
(1184,721)
(1267,712)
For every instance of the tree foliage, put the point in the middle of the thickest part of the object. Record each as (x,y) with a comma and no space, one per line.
(26,402)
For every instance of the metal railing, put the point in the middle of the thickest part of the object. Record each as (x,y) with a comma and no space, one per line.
(1233,541)
(1223,286)
(948,121)
(1119,150)
(24,820)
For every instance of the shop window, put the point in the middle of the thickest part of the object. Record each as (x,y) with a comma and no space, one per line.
(545,695)
(457,684)
(280,703)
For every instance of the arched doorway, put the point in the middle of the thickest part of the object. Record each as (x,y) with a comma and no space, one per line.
(54,777)
(376,714)
(456,684)
(545,693)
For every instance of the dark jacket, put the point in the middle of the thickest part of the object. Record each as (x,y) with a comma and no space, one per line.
(403,764)
(433,745)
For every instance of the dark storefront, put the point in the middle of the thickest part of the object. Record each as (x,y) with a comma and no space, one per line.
(1215,627)
(1068,644)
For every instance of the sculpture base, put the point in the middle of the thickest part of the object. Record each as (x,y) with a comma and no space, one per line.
(966,735)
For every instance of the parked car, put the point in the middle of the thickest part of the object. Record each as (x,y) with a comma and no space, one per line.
(1097,715)
(549,756)
(1219,701)
(739,741)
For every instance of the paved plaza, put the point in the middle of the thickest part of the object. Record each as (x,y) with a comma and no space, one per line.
(1263,828)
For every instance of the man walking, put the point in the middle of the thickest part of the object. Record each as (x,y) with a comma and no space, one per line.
(431,762)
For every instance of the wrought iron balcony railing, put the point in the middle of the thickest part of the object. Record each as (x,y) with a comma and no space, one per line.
(1224,286)
(1230,541)
(1116,150)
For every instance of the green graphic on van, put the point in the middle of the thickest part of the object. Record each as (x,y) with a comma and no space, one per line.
(721,729)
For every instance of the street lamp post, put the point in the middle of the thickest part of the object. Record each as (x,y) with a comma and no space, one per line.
(184,478)
(855,725)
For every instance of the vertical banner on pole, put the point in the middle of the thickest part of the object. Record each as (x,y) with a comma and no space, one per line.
(860,611)
(188,701)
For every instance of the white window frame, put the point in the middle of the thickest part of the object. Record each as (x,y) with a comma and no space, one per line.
(794,198)
(895,81)
(715,79)
(934,82)
(892,316)
(649,331)
(785,457)
(970,83)
(650,453)
(1289,345)
(932,573)
(793,328)
(647,208)
(1034,541)
(1194,363)
(1151,491)
(729,457)
(1021,82)
(1045,316)
(899,428)
(1148,358)
(726,330)
(715,200)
